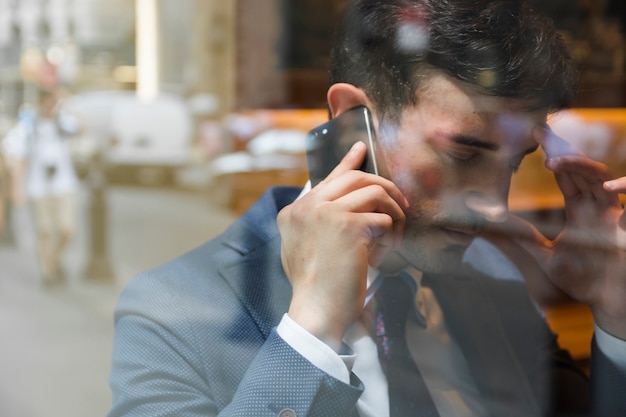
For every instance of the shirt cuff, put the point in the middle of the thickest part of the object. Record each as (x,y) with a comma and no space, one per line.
(612,347)
(313,349)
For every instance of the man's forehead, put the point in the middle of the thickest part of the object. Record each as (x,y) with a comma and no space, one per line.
(456,96)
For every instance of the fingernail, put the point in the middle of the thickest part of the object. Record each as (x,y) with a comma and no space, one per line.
(356,146)
(610,185)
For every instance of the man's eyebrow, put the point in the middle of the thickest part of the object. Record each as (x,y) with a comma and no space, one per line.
(479,143)
(475,142)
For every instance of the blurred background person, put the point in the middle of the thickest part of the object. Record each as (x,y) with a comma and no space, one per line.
(43,173)
(4,196)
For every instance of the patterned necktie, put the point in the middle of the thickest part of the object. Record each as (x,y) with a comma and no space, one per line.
(408,395)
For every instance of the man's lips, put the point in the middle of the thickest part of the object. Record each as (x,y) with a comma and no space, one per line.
(461,236)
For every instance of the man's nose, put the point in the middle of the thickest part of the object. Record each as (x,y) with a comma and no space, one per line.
(491,208)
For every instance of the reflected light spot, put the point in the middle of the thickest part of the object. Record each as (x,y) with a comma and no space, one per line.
(412,37)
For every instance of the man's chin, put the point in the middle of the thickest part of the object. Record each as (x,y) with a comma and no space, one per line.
(435,261)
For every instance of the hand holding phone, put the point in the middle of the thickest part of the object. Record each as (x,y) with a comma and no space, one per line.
(330,236)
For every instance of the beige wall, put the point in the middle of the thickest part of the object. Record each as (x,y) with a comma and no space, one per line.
(214,51)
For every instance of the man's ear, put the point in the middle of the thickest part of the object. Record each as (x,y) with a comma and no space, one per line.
(343,97)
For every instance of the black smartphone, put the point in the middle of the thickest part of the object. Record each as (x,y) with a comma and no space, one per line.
(328,143)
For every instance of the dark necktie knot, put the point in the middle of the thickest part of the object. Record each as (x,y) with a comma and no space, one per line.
(394,300)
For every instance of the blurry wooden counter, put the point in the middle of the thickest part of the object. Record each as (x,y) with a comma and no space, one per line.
(573,323)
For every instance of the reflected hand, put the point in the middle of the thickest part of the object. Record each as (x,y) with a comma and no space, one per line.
(588,258)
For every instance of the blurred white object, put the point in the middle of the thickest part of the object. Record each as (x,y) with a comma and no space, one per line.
(147,140)
(94,110)
(153,133)
(291,141)
(232,162)
(235,162)
(274,149)
(204,104)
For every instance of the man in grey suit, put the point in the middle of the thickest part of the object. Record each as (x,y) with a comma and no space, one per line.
(285,313)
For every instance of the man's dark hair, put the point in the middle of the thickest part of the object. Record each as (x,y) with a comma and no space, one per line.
(504,47)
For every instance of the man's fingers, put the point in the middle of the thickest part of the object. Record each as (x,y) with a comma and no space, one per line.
(579,176)
(575,164)
(353,180)
(385,237)
(553,145)
(602,195)
(568,186)
(616,185)
(375,200)
(377,205)
(593,190)
(352,160)
(341,182)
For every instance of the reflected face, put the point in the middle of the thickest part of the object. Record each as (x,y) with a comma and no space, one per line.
(452,155)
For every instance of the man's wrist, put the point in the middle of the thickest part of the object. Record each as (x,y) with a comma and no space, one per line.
(313,349)
(315,322)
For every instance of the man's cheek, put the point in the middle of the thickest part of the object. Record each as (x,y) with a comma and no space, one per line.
(416,185)
(431,181)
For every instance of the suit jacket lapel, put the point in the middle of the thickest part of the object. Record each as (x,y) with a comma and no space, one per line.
(260,283)
(474,321)
(255,271)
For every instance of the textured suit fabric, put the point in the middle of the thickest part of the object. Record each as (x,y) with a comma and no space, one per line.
(196,337)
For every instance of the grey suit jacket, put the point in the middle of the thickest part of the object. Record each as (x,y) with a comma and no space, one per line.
(196,337)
